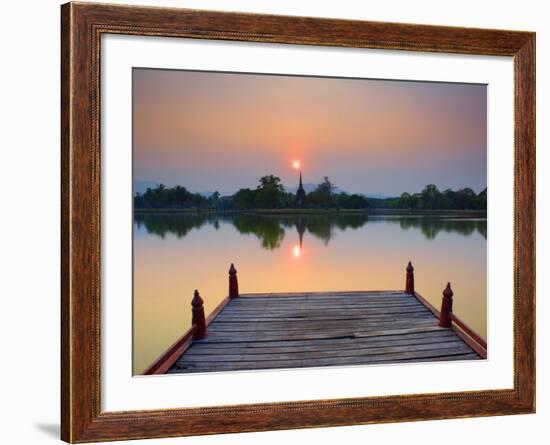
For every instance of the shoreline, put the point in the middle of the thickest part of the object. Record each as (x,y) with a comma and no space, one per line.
(294,211)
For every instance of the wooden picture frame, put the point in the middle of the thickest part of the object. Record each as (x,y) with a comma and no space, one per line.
(82,26)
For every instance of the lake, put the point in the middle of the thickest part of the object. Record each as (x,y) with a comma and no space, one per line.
(175,253)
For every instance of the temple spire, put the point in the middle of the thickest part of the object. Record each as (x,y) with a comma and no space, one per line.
(300,193)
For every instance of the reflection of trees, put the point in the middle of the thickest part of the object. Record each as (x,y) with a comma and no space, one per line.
(178,224)
(481,227)
(271,229)
(431,226)
(321,226)
(268,230)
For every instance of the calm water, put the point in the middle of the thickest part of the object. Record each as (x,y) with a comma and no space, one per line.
(177,253)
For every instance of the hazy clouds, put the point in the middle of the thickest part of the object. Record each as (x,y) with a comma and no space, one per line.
(216,131)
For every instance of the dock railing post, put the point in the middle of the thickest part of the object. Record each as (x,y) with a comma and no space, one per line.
(446,307)
(198,319)
(233,283)
(409,282)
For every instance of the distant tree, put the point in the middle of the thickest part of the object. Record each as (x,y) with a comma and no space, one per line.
(182,197)
(322,195)
(244,199)
(199,200)
(465,199)
(430,196)
(448,199)
(214,199)
(405,201)
(288,200)
(270,192)
(138,201)
(354,201)
(326,185)
(270,182)
(482,199)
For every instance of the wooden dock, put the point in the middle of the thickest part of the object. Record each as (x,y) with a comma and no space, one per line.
(313,329)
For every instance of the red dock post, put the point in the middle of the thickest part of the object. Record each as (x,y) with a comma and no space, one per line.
(233,283)
(446,307)
(409,282)
(198,319)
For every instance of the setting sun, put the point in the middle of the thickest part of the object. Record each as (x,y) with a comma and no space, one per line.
(296,164)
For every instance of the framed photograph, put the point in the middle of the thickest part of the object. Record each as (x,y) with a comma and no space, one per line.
(274,222)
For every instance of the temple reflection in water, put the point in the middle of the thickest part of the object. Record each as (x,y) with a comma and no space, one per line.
(178,252)
(271,229)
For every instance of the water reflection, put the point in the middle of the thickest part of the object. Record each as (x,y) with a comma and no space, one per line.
(268,230)
(176,253)
(431,226)
(271,229)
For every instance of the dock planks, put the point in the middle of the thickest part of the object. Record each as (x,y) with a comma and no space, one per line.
(295,330)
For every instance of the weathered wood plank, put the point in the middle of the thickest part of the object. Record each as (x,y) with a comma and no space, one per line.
(325,342)
(336,307)
(272,364)
(335,296)
(350,298)
(342,319)
(314,345)
(321,329)
(326,314)
(336,301)
(457,357)
(251,336)
(362,293)
(321,317)
(365,351)
(294,328)
(305,310)
(376,333)
(295,331)
(333,303)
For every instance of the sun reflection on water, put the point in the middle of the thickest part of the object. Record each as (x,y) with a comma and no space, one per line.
(177,253)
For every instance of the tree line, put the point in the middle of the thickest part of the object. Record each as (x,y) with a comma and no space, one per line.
(432,199)
(271,194)
(178,197)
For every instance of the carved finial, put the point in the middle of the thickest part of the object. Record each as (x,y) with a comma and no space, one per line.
(448,292)
(445,318)
(409,279)
(197,301)
(233,283)
(198,319)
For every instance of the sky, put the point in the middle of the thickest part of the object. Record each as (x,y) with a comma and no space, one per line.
(212,131)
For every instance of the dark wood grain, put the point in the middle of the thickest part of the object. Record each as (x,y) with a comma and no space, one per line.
(374,336)
(82,27)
